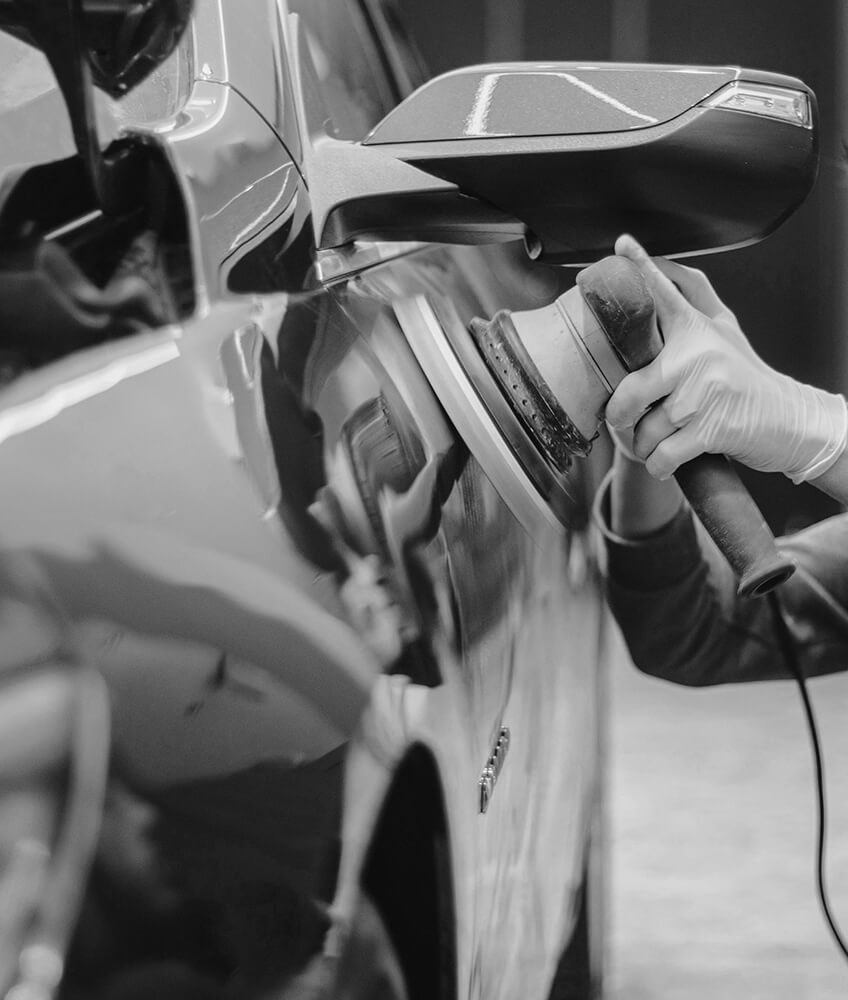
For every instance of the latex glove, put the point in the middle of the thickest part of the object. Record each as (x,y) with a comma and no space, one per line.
(714,393)
(622,439)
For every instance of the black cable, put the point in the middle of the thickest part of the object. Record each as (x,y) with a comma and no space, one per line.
(790,656)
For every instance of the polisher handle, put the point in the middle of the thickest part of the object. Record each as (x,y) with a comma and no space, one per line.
(621,301)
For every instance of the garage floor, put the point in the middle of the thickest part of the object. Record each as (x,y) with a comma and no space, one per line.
(713,835)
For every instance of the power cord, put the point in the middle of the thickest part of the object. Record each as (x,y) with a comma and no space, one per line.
(790,656)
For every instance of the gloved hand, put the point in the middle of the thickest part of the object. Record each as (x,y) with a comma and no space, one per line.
(623,439)
(714,393)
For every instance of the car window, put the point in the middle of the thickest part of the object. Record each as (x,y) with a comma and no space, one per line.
(408,64)
(350,70)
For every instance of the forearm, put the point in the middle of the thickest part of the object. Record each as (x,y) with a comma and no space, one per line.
(675,600)
(668,590)
(640,504)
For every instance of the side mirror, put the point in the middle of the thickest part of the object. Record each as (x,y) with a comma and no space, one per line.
(567,156)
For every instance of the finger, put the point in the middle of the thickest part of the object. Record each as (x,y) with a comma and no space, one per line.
(695,286)
(669,301)
(636,393)
(623,441)
(672,452)
(655,426)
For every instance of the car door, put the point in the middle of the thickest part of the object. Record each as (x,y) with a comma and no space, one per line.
(285,477)
(497,600)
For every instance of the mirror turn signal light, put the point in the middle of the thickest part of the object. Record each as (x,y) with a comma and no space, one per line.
(786,105)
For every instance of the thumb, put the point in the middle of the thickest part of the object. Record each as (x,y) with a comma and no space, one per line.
(670,303)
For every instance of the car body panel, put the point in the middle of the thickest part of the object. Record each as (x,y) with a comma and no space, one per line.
(225,37)
(522,656)
(292,569)
(529,662)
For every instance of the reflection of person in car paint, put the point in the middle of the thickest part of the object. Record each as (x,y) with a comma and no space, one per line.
(670,589)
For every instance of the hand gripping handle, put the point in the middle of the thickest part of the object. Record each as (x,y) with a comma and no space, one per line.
(620,300)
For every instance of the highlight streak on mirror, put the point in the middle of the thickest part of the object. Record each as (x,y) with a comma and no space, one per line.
(477,122)
(607,98)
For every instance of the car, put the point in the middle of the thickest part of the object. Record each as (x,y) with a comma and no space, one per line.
(303,685)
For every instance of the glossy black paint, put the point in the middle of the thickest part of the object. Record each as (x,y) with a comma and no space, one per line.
(510,100)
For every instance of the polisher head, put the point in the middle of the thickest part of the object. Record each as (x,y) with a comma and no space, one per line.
(558,365)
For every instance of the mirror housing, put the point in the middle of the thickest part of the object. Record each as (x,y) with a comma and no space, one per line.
(568,156)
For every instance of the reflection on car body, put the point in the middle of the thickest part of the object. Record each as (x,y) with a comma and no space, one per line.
(231,492)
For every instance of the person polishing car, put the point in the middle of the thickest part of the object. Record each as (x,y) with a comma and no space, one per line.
(671,591)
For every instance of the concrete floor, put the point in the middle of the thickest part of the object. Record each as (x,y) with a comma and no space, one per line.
(713,836)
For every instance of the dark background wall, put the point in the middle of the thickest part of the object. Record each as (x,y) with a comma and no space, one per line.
(786,291)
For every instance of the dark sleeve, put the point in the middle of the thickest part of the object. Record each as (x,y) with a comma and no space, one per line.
(674,598)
